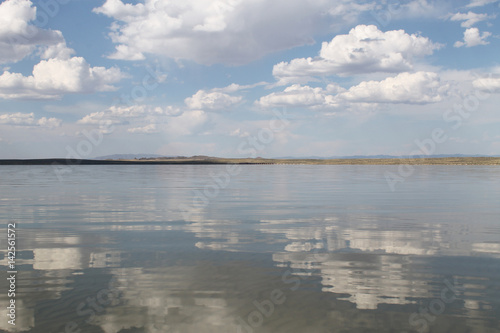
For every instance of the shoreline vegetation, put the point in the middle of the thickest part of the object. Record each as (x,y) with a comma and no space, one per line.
(259,161)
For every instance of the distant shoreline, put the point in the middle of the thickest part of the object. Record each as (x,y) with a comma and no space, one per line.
(260,161)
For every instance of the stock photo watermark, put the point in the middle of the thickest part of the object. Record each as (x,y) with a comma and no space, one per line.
(11,273)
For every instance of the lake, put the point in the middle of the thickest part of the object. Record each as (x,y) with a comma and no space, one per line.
(252,248)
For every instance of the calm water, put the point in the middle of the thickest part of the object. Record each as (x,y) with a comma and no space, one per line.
(270,249)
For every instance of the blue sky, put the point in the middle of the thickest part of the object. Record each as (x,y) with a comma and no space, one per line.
(240,78)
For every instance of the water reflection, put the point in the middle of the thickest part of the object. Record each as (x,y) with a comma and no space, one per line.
(202,290)
(108,259)
(368,261)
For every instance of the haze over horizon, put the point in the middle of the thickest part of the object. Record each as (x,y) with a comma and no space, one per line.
(239,78)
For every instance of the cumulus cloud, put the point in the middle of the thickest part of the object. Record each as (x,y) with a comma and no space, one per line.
(168,110)
(490,84)
(222,31)
(212,100)
(234,87)
(146,119)
(301,96)
(58,72)
(186,123)
(19,38)
(472,37)
(58,51)
(119,114)
(407,88)
(470,18)
(55,77)
(365,49)
(480,3)
(28,119)
(148,129)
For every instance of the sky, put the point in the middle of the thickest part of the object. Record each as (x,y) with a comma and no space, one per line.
(249,78)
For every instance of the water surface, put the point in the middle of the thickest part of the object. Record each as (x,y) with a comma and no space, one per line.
(280,248)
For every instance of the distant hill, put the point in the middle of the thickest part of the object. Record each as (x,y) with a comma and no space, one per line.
(204,157)
(128,156)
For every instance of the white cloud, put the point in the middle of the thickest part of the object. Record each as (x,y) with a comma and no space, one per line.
(55,77)
(239,133)
(487,84)
(470,18)
(387,11)
(472,37)
(167,110)
(365,49)
(222,31)
(121,11)
(480,3)
(350,9)
(57,73)
(49,122)
(212,100)
(186,123)
(59,51)
(148,119)
(421,8)
(19,38)
(28,119)
(301,96)
(407,88)
(119,114)
(234,87)
(148,129)
(295,95)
